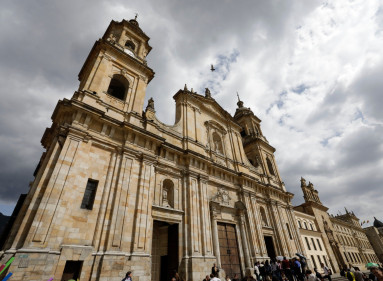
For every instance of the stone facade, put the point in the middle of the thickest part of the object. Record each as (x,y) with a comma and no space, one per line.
(119,190)
(375,236)
(345,241)
(311,237)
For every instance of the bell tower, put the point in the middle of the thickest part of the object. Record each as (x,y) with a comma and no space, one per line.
(115,74)
(258,150)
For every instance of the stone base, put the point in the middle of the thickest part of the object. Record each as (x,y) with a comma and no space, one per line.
(43,266)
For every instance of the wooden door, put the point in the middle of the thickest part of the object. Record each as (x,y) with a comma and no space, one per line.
(228,248)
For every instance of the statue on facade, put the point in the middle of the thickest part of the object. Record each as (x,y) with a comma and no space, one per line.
(150,105)
(311,186)
(303,182)
(207,93)
(165,201)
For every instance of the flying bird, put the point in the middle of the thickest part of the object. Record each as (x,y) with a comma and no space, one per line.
(212,68)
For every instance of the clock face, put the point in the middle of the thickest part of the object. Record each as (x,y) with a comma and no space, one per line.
(129,52)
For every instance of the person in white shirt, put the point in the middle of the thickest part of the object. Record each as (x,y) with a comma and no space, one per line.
(326,272)
(256,270)
(310,276)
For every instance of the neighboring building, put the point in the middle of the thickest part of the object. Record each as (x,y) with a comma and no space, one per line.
(118,190)
(315,249)
(352,240)
(375,236)
(344,240)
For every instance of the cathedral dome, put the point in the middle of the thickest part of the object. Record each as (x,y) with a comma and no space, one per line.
(377,223)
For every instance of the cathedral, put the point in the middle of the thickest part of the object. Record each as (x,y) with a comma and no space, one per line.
(117,190)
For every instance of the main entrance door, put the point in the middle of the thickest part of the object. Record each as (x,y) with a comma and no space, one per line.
(228,248)
(270,247)
(164,250)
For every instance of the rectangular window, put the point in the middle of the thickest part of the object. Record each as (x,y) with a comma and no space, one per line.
(315,247)
(325,260)
(320,247)
(320,261)
(308,244)
(89,194)
(288,229)
(314,263)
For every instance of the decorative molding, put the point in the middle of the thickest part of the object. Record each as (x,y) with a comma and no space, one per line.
(222,197)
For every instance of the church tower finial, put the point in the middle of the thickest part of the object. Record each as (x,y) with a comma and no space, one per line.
(239,103)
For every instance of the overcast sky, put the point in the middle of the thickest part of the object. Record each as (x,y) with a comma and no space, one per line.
(311,70)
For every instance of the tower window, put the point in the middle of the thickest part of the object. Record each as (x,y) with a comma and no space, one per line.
(263,216)
(129,44)
(288,229)
(118,87)
(89,194)
(270,166)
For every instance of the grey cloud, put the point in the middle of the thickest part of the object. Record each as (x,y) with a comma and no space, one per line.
(46,42)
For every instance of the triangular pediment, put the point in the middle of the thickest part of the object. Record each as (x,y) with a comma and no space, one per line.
(207,104)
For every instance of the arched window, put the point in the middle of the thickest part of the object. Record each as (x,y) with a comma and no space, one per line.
(305,225)
(311,226)
(217,142)
(168,193)
(263,215)
(299,224)
(270,166)
(129,44)
(118,87)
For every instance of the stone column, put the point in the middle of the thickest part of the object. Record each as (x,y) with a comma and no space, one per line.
(244,242)
(215,235)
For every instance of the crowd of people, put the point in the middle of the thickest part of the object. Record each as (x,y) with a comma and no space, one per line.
(355,274)
(288,270)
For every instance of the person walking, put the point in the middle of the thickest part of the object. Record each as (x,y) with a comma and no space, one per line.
(207,278)
(286,268)
(256,271)
(310,276)
(215,270)
(378,272)
(128,276)
(358,274)
(326,272)
(214,278)
(317,274)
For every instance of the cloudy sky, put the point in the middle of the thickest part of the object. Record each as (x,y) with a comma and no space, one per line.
(311,70)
